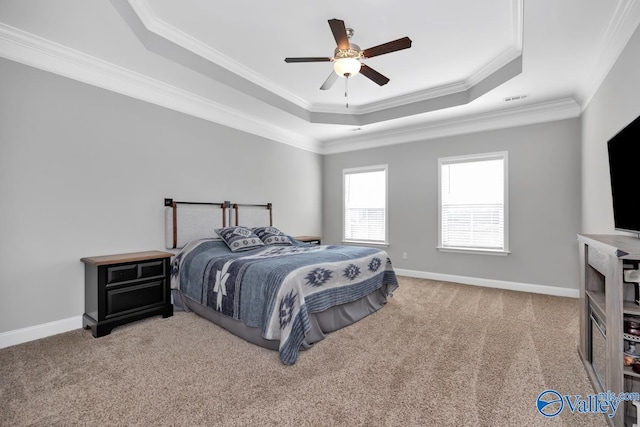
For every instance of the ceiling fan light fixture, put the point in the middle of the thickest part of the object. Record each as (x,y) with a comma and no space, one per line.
(344,66)
(347,57)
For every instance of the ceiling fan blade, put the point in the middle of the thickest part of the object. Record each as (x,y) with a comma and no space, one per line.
(330,81)
(308,59)
(373,75)
(403,43)
(339,33)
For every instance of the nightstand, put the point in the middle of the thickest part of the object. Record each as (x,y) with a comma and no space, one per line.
(122,288)
(309,239)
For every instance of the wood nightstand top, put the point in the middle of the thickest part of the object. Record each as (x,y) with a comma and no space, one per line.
(122,258)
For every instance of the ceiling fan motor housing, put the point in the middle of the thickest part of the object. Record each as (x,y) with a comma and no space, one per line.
(354,51)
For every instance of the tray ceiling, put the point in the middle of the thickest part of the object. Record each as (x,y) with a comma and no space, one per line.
(472,66)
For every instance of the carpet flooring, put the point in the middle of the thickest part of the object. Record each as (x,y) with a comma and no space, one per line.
(438,354)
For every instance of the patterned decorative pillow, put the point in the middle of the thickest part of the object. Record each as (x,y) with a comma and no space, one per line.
(239,238)
(272,236)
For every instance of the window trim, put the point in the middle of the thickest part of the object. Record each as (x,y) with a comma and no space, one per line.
(504,155)
(364,169)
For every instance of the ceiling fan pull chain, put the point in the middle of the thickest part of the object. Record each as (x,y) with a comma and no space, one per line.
(346,89)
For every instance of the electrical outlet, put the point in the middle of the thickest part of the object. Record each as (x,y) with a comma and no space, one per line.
(404,255)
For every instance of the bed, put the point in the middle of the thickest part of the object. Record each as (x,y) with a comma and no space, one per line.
(263,285)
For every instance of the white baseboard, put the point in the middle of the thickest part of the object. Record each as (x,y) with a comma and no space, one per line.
(31,333)
(490,283)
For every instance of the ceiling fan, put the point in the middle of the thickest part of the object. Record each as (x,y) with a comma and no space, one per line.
(347,57)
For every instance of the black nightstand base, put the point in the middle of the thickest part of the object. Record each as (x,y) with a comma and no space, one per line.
(100,329)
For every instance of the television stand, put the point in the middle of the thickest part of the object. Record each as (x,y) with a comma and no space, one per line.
(605,300)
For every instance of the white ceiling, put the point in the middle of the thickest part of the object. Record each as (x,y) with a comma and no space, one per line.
(224,61)
(441,53)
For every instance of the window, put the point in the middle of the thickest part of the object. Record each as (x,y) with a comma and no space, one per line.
(365,204)
(473,212)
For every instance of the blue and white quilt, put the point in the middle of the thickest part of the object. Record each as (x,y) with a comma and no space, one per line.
(276,288)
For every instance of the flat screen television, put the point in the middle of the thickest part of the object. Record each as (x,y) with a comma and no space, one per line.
(624,168)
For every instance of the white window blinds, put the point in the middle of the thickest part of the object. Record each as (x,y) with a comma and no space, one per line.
(473,212)
(365,204)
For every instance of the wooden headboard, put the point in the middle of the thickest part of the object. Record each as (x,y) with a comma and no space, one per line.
(251,215)
(186,221)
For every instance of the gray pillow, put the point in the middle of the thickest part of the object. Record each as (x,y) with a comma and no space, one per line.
(272,236)
(239,238)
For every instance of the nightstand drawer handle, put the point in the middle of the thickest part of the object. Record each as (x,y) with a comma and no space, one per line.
(122,273)
(151,269)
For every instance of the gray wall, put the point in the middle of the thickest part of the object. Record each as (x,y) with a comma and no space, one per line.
(84,172)
(544,203)
(616,104)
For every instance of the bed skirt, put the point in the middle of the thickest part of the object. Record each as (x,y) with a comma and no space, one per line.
(322,323)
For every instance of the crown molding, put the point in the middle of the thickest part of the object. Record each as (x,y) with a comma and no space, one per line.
(161,28)
(156,25)
(32,50)
(519,116)
(29,49)
(398,101)
(170,44)
(495,65)
(624,22)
